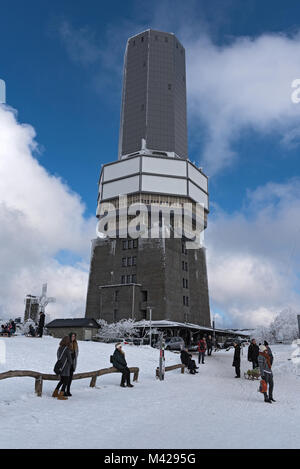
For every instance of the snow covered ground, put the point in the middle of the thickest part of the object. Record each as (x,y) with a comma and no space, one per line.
(208,410)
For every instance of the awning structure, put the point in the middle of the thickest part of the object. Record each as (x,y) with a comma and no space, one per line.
(165,324)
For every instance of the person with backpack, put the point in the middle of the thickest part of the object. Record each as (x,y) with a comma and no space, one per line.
(119,362)
(253,351)
(266,373)
(237,359)
(186,359)
(63,368)
(201,350)
(74,354)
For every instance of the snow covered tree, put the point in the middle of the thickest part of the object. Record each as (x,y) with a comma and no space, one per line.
(284,328)
(121,329)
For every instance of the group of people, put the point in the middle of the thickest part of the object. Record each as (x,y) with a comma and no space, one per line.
(8,329)
(67,355)
(204,344)
(261,357)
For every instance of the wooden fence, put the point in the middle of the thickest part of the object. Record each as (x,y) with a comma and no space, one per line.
(40,377)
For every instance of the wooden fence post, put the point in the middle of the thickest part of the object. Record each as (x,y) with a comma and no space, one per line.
(39,386)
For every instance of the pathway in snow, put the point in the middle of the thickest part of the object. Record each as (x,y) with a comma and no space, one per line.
(209,410)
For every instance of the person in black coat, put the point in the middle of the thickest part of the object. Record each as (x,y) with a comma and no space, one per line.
(74,354)
(64,354)
(119,362)
(209,343)
(253,352)
(237,359)
(186,359)
(41,324)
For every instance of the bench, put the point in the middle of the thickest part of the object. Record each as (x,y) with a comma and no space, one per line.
(172,367)
(40,377)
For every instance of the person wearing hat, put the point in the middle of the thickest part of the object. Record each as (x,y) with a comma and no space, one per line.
(119,362)
(237,359)
(265,367)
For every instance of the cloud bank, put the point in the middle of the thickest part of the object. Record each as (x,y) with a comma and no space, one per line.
(40,217)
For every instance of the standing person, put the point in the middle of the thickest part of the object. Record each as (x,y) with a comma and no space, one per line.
(265,367)
(269,351)
(237,359)
(74,354)
(119,362)
(201,350)
(64,355)
(41,324)
(209,344)
(253,351)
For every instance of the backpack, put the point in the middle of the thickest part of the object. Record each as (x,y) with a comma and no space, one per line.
(60,364)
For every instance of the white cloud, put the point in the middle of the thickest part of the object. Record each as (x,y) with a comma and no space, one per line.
(39,217)
(253,257)
(238,86)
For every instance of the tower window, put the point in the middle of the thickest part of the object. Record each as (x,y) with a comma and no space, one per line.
(134,260)
(123,279)
(142,39)
(128,279)
(166,39)
(169,86)
(133,278)
(123,261)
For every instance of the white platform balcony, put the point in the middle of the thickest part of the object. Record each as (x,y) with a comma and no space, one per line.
(154,175)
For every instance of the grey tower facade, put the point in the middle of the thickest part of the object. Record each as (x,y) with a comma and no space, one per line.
(154,95)
(129,277)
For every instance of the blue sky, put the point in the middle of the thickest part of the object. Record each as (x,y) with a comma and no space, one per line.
(62,63)
(77,122)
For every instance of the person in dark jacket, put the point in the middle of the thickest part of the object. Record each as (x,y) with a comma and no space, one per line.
(119,362)
(253,351)
(266,373)
(186,359)
(269,351)
(201,350)
(237,359)
(41,324)
(74,354)
(209,343)
(64,354)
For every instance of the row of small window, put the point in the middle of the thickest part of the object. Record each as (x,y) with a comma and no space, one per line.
(128,279)
(130,243)
(166,39)
(128,261)
(186,300)
(184,266)
(185,283)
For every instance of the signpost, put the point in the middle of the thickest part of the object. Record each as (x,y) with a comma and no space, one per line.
(162,360)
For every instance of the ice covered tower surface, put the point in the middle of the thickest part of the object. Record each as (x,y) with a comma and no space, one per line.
(154,95)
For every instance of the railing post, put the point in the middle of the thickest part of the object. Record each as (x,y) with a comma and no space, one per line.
(39,386)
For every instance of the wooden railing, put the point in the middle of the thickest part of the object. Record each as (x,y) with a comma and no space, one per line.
(172,367)
(40,377)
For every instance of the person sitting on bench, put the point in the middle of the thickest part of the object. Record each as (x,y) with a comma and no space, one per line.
(186,359)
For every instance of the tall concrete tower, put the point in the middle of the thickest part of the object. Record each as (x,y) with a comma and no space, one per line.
(154,95)
(131,274)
